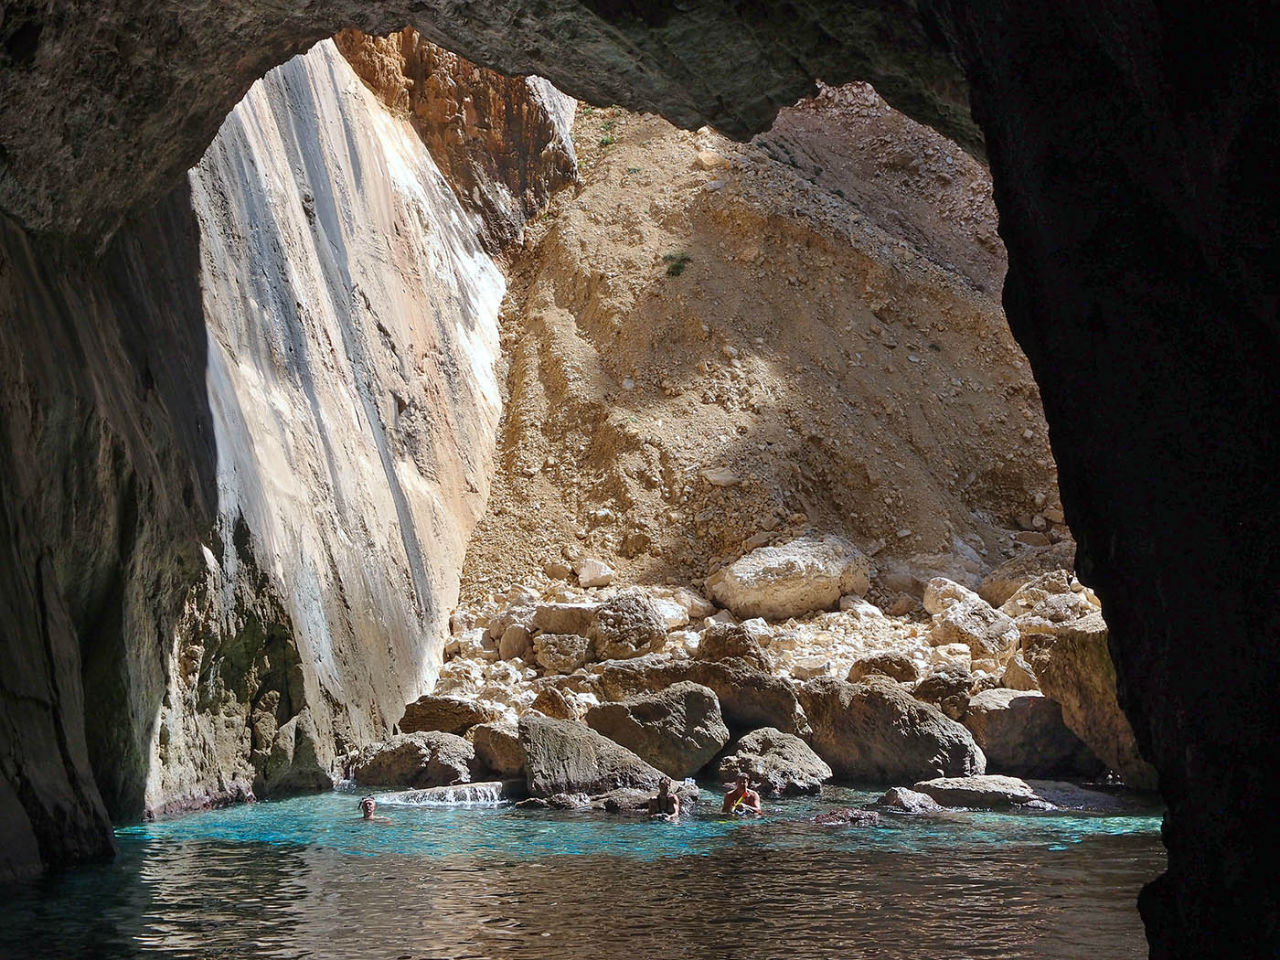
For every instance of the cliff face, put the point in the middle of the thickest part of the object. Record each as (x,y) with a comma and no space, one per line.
(249,444)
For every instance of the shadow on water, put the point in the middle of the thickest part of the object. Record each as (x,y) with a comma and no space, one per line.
(304,878)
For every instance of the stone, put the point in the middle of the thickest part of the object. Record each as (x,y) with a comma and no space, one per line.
(1050,598)
(1023,734)
(709,160)
(847,817)
(678,730)
(552,703)
(1018,674)
(557,801)
(626,625)
(557,569)
(1006,579)
(498,749)
(575,618)
(810,668)
(561,652)
(516,643)
(722,641)
(1074,668)
(908,801)
(876,731)
(566,757)
(447,714)
(779,764)
(431,759)
(792,579)
(949,690)
(749,697)
(896,666)
(520,614)
(593,572)
(961,616)
(987,792)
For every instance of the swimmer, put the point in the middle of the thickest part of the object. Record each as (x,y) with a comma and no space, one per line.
(367,806)
(742,799)
(666,804)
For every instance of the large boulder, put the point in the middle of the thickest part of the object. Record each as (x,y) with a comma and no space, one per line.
(498,749)
(1018,674)
(678,730)
(908,801)
(1073,666)
(627,625)
(792,579)
(1022,734)
(1008,578)
(561,652)
(961,616)
(950,691)
(727,641)
(749,697)
(552,703)
(980,792)
(895,666)
(780,764)
(566,757)
(1053,597)
(876,731)
(429,759)
(575,618)
(447,714)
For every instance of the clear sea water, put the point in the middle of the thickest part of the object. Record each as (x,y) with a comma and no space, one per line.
(304,878)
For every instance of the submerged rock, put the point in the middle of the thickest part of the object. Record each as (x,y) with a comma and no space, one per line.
(791,580)
(566,757)
(848,817)
(981,792)
(876,731)
(779,764)
(429,759)
(446,714)
(678,729)
(910,801)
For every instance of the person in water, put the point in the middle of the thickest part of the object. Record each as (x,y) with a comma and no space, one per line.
(742,799)
(666,803)
(367,806)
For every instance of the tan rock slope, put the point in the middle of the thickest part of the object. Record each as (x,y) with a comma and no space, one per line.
(714,346)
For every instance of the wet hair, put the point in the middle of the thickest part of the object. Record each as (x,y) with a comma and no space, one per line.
(363,799)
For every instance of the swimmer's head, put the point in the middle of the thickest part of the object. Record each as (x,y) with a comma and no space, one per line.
(367,806)
(743,781)
(664,784)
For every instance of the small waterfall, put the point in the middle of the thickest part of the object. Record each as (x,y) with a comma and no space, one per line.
(487,794)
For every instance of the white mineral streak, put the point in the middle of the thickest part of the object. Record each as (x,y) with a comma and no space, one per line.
(352,339)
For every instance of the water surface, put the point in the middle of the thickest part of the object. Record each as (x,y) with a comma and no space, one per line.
(305,878)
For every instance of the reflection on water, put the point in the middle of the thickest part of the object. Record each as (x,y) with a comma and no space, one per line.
(304,878)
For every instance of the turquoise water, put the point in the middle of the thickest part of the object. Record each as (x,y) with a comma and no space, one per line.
(306,878)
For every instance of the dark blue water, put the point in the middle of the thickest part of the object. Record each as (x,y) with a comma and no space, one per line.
(305,878)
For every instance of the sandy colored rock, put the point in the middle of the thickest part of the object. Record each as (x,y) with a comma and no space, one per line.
(561,652)
(566,757)
(1023,735)
(1074,668)
(447,714)
(989,792)
(593,572)
(574,617)
(722,641)
(498,749)
(1007,578)
(626,625)
(961,616)
(896,666)
(516,643)
(678,729)
(551,702)
(779,764)
(1018,674)
(876,731)
(908,801)
(792,579)
(431,759)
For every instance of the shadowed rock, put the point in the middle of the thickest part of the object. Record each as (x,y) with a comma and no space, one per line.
(678,729)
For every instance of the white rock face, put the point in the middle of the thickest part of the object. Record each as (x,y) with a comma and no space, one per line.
(792,579)
(352,320)
(961,616)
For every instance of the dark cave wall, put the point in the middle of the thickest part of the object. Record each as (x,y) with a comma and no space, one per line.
(1131,146)
(104,433)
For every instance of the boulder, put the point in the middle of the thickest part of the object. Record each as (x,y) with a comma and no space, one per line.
(876,731)
(1051,597)
(1018,674)
(749,698)
(1005,580)
(961,616)
(593,573)
(678,730)
(896,666)
(949,690)
(626,625)
(518,613)
(516,643)
(781,764)
(552,703)
(722,641)
(566,757)
(561,652)
(498,749)
(1022,734)
(909,801)
(847,817)
(980,792)
(557,801)
(790,580)
(429,759)
(1074,668)
(574,618)
(447,714)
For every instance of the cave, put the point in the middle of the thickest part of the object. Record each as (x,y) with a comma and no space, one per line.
(1131,150)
